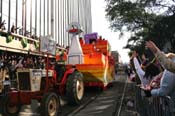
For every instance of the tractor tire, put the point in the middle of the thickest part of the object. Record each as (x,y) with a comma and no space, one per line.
(9,109)
(75,88)
(50,104)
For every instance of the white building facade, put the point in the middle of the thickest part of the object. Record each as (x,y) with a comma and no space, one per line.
(47,17)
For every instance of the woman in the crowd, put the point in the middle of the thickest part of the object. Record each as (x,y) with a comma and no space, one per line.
(167,86)
(139,71)
(165,62)
(147,69)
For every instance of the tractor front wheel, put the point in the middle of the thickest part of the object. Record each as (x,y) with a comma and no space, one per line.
(50,104)
(75,88)
(8,108)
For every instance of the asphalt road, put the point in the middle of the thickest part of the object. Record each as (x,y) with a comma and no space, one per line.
(94,95)
(107,102)
(33,109)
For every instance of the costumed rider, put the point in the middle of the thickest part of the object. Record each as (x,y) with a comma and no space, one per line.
(60,68)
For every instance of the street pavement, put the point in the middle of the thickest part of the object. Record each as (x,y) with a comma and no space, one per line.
(107,103)
(113,101)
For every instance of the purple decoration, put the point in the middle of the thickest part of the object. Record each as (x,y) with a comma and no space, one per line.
(87,37)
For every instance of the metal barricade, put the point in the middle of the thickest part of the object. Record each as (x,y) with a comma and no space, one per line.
(154,106)
(168,105)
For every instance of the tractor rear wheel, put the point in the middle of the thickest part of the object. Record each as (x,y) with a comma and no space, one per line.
(75,88)
(8,108)
(50,104)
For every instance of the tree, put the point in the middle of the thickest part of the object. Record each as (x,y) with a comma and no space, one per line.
(146,19)
(164,31)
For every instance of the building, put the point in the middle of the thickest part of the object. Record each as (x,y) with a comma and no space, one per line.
(46,17)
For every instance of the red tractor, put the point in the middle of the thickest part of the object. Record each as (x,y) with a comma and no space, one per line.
(45,86)
(36,84)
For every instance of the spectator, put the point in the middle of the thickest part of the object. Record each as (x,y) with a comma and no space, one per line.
(166,85)
(151,64)
(12,69)
(138,69)
(13,29)
(165,62)
(127,70)
(130,72)
(155,82)
(151,68)
(29,63)
(2,25)
(81,41)
(19,63)
(148,69)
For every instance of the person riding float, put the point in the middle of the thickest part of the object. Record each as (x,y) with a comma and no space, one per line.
(60,68)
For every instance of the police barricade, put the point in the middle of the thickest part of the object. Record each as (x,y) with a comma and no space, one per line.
(154,106)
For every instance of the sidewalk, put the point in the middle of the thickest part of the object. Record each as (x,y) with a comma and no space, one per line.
(108,102)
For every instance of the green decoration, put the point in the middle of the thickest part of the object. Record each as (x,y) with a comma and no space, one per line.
(36,45)
(24,42)
(9,38)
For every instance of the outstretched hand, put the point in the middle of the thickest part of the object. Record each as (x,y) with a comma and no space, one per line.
(147,87)
(147,90)
(134,54)
(151,45)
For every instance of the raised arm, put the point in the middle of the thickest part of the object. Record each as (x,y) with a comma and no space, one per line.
(165,62)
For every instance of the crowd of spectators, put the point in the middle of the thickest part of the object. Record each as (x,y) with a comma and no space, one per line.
(10,62)
(155,71)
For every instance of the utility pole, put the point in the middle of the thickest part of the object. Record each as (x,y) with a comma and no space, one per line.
(9,15)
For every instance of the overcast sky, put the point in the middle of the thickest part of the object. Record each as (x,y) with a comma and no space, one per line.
(101,25)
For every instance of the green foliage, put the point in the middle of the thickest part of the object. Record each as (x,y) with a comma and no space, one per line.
(146,19)
(164,31)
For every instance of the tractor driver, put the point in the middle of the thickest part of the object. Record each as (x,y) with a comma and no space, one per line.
(60,68)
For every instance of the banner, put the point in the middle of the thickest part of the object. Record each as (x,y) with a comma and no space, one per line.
(48,45)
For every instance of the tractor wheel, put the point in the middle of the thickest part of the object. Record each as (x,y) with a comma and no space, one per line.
(9,109)
(75,88)
(50,104)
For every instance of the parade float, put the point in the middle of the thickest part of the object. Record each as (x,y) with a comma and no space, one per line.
(92,57)
(98,66)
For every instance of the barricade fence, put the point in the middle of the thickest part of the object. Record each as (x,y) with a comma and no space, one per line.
(154,106)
